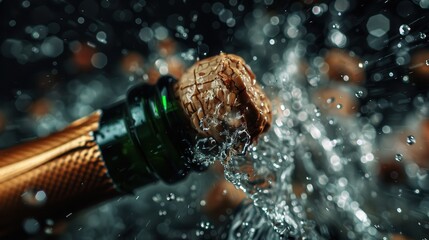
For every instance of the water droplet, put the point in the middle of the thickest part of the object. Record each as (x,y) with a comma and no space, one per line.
(398,157)
(49,230)
(25,4)
(405,79)
(49,226)
(52,47)
(330,100)
(101,37)
(31,226)
(346,78)
(411,140)
(404,29)
(34,197)
(359,94)
(171,197)
(422,35)
(156,198)
(427,62)
(81,20)
(99,60)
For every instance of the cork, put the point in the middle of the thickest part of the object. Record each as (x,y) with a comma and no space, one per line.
(221,94)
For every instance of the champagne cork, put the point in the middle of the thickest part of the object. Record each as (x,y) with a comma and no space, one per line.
(220,93)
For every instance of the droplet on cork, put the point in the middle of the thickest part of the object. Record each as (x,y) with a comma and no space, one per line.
(221,94)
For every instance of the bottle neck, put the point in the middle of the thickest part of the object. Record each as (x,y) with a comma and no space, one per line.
(146,137)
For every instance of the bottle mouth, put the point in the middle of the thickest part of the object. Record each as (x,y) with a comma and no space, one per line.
(160,130)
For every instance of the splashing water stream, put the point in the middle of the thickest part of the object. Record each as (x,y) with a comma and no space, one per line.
(332,153)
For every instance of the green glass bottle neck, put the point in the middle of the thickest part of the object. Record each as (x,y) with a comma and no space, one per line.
(146,137)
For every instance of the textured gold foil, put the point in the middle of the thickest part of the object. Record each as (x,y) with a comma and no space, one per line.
(66,166)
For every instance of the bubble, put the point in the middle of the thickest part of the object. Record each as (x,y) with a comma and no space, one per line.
(411,140)
(427,62)
(339,106)
(398,157)
(422,35)
(404,29)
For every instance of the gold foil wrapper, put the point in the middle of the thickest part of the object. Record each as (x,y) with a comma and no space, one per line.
(53,176)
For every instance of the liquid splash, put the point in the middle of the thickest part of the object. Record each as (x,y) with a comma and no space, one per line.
(331,156)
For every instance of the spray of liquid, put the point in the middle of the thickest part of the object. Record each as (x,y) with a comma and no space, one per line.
(325,151)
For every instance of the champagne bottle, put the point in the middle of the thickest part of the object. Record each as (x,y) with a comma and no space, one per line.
(144,138)
(139,140)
